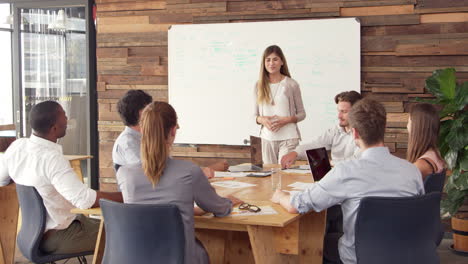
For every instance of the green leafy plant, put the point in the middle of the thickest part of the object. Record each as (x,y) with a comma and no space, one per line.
(453,136)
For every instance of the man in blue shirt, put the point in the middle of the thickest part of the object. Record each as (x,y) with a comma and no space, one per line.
(375,173)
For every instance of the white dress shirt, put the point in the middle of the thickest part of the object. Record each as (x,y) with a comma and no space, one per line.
(126,148)
(336,139)
(375,173)
(40,163)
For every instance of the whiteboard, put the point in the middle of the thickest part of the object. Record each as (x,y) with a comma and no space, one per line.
(213,69)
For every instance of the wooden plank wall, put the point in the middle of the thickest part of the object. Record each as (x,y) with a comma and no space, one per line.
(403,41)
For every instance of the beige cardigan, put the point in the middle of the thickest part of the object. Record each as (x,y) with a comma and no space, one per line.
(293,93)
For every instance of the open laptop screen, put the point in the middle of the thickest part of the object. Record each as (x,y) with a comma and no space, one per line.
(318,162)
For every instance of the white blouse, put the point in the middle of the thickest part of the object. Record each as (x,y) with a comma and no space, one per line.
(280,108)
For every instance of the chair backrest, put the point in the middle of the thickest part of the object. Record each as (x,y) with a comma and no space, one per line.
(143,233)
(434,182)
(33,219)
(400,230)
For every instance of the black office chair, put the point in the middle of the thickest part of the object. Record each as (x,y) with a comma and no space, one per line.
(33,215)
(143,233)
(434,182)
(398,230)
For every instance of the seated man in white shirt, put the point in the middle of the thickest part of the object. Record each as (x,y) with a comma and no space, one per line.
(126,148)
(375,173)
(38,161)
(337,139)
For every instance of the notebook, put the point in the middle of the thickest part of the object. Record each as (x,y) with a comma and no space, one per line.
(318,162)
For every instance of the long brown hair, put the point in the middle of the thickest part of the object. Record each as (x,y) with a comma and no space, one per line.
(157,120)
(263,84)
(425,124)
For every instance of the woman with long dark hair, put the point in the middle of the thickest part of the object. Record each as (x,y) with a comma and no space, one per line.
(423,130)
(278,106)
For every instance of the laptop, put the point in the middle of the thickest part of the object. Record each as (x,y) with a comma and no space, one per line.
(256,163)
(318,162)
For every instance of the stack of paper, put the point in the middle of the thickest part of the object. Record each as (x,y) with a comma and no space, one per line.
(300,171)
(219,174)
(230,174)
(265,210)
(232,184)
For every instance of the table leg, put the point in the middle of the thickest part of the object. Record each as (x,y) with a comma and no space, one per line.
(226,246)
(262,239)
(214,243)
(289,245)
(311,234)
(8,222)
(100,244)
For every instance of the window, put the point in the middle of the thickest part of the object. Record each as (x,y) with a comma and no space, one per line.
(6,98)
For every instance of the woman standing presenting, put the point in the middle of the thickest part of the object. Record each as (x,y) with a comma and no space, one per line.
(278,106)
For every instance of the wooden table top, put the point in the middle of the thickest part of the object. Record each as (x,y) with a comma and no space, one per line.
(78,157)
(258,195)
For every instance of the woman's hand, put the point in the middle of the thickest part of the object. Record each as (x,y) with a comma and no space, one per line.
(234,200)
(198,211)
(280,121)
(266,121)
(222,165)
(209,172)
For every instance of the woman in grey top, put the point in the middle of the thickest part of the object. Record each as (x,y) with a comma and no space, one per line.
(159,179)
(278,106)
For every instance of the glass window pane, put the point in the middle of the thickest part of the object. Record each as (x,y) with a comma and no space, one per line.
(53,59)
(6,19)
(6,100)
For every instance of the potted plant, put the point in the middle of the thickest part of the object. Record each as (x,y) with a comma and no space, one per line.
(453,146)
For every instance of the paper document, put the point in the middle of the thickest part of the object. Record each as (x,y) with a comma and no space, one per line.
(232,184)
(266,210)
(301,167)
(220,174)
(300,185)
(229,174)
(300,171)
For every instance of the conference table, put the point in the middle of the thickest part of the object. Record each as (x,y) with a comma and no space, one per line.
(274,238)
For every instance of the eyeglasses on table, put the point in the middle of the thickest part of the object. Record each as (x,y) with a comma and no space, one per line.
(249,207)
